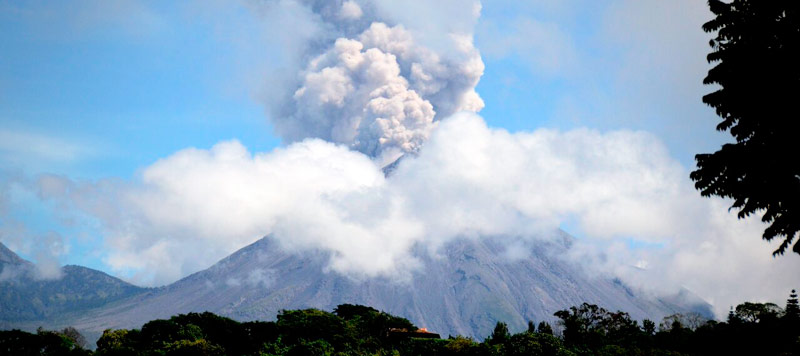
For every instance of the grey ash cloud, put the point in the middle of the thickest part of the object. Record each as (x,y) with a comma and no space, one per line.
(374,85)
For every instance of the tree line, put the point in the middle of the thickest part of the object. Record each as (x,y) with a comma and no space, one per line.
(587,329)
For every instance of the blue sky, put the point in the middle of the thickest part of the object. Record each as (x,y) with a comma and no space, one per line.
(119,92)
(97,93)
(122,90)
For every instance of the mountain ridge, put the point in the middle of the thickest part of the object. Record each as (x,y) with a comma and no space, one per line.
(464,291)
(27,298)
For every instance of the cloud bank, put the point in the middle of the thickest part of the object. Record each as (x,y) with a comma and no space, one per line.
(469,180)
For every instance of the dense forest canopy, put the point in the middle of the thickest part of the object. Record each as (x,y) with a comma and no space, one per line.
(751,329)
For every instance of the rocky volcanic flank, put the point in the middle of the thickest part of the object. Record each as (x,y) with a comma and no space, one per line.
(465,289)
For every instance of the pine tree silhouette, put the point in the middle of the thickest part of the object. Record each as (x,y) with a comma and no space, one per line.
(544,328)
(792,310)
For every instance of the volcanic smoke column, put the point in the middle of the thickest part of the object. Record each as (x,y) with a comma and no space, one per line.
(378,90)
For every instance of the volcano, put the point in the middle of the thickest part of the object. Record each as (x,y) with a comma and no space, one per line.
(463,288)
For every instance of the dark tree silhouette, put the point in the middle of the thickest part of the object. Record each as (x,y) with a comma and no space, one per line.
(792,310)
(649,327)
(545,328)
(74,335)
(500,335)
(531,326)
(757,312)
(584,325)
(757,51)
(589,329)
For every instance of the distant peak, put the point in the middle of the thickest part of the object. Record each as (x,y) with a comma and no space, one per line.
(9,257)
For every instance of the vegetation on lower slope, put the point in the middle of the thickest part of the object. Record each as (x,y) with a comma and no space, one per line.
(751,329)
(67,342)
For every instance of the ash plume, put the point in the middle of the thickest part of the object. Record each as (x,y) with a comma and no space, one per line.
(374,85)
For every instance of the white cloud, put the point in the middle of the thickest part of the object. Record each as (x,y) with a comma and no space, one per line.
(196,206)
(47,251)
(20,147)
(350,10)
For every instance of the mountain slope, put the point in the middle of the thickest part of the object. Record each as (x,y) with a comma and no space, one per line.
(465,289)
(24,297)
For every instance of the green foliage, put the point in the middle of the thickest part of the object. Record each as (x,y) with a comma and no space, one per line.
(683,320)
(758,329)
(198,347)
(16,342)
(298,326)
(193,333)
(118,342)
(351,311)
(311,348)
(275,348)
(648,327)
(423,347)
(74,335)
(162,332)
(460,345)
(500,335)
(589,325)
(370,322)
(756,51)
(757,312)
(544,328)
(525,344)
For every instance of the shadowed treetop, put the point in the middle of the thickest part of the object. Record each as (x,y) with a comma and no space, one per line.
(757,56)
